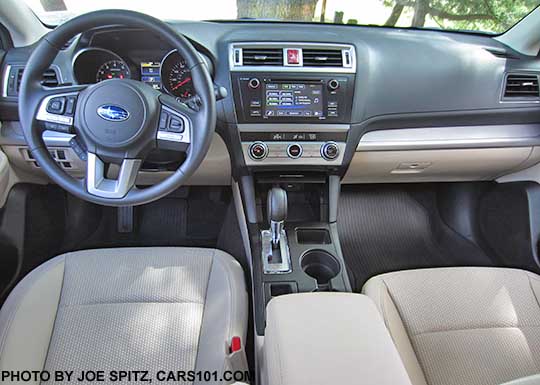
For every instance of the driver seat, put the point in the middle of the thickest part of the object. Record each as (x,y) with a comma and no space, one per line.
(156,308)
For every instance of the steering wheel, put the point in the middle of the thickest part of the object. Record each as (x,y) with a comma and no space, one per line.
(116,121)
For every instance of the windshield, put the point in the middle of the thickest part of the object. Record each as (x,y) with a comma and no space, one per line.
(492,16)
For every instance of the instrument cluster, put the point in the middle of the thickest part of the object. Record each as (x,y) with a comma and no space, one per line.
(168,73)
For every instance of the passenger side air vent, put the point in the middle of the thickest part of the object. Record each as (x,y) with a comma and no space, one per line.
(262,56)
(11,88)
(322,57)
(521,86)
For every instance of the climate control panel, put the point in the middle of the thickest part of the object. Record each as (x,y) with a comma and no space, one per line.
(294,148)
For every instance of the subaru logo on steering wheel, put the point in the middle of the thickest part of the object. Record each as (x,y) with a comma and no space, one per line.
(112,113)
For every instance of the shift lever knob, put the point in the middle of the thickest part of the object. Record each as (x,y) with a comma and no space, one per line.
(277,212)
(277,204)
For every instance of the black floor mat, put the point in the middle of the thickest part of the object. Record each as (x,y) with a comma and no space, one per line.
(180,219)
(385,228)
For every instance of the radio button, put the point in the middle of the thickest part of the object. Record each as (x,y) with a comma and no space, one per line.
(255,103)
(294,151)
(332,113)
(255,113)
(329,151)
(258,151)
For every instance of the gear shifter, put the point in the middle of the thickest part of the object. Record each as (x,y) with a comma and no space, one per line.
(277,213)
(275,249)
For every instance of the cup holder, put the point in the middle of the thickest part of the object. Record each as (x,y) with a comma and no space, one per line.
(322,266)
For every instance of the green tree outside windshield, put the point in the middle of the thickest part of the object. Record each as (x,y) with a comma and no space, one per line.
(473,15)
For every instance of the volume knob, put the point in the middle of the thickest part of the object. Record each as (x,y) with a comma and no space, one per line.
(254,83)
(333,84)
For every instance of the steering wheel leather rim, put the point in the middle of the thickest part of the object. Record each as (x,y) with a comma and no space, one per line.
(31,95)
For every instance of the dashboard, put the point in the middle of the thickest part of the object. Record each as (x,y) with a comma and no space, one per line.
(368,104)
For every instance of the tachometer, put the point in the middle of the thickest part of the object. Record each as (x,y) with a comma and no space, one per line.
(113,69)
(176,76)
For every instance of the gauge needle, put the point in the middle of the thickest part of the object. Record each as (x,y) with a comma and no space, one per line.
(180,84)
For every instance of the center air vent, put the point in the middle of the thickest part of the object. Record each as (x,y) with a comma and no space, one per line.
(295,57)
(521,86)
(322,58)
(262,56)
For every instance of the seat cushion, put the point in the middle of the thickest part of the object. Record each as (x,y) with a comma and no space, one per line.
(462,326)
(126,309)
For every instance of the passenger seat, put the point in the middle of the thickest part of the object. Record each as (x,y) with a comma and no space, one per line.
(463,326)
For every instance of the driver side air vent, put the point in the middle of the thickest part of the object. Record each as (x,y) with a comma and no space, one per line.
(521,86)
(262,56)
(50,78)
(322,57)
(11,88)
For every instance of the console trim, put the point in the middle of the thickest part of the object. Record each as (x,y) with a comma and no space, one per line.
(515,135)
(289,127)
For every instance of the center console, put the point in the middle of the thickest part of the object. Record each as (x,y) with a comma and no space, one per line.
(351,349)
(293,105)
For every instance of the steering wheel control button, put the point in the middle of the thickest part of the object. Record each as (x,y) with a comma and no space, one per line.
(70,105)
(330,151)
(254,83)
(258,151)
(175,125)
(57,127)
(294,151)
(163,121)
(56,105)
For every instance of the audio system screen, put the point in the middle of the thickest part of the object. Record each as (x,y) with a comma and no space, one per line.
(293,100)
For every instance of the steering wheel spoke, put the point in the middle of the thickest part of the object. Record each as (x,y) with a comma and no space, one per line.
(175,126)
(56,110)
(99,185)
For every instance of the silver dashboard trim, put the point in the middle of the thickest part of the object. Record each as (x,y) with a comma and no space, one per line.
(292,127)
(234,66)
(430,138)
(5,80)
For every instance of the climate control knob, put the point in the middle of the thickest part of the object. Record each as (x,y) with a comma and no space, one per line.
(254,83)
(258,151)
(330,150)
(333,84)
(294,151)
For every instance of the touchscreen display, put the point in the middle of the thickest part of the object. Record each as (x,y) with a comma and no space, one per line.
(293,100)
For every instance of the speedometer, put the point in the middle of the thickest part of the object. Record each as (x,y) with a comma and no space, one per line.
(176,76)
(113,69)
